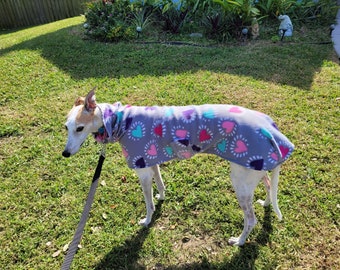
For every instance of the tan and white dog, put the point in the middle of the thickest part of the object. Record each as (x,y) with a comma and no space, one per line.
(130,124)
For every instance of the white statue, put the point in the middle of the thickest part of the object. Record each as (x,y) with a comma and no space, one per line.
(286,26)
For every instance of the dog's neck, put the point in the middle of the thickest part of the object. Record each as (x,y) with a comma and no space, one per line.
(111,123)
(101,135)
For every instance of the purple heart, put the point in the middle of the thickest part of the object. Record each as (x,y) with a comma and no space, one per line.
(140,163)
(257,164)
(187,114)
(196,148)
(128,123)
(108,113)
(184,142)
(275,126)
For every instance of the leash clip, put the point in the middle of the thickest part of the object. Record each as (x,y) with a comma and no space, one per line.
(103,150)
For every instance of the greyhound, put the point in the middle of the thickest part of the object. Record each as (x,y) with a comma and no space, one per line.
(150,136)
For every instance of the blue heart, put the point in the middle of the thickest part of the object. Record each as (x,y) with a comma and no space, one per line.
(169,150)
(169,112)
(222,146)
(266,133)
(209,114)
(137,132)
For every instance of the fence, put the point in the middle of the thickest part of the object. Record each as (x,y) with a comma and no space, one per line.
(19,13)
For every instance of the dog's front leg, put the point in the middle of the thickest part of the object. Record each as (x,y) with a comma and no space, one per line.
(244,182)
(145,177)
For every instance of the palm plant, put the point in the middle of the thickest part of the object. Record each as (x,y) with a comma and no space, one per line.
(243,11)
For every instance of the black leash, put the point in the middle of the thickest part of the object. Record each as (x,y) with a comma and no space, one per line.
(87,207)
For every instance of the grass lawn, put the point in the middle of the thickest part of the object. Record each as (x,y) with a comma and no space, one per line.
(44,68)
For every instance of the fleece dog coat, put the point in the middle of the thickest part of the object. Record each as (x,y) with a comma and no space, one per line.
(154,135)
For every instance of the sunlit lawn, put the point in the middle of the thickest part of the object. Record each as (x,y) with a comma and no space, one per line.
(44,68)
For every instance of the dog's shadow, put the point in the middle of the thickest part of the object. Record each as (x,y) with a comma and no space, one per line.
(126,256)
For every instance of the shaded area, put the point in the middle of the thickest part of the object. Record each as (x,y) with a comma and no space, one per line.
(82,58)
(127,255)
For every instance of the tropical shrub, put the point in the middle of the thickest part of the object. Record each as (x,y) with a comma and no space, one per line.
(303,11)
(216,23)
(273,8)
(173,14)
(318,11)
(114,20)
(108,20)
(243,11)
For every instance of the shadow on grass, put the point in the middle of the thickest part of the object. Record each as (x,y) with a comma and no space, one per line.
(126,256)
(287,63)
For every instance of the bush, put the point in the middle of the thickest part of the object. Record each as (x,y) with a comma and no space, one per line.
(300,11)
(108,21)
(173,14)
(315,11)
(114,20)
(216,24)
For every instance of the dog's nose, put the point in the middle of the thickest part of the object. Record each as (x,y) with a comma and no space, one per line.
(66,154)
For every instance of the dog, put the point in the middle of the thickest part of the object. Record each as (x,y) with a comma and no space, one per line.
(150,136)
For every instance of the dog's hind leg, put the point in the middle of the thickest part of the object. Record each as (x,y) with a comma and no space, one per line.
(244,182)
(159,182)
(271,190)
(145,178)
(266,182)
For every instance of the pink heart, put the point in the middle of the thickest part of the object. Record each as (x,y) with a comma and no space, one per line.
(125,153)
(186,155)
(235,110)
(240,147)
(284,150)
(181,133)
(228,126)
(152,151)
(204,135)
(274,156)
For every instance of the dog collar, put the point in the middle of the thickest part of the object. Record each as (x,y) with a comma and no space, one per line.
(114,123)
(101,135)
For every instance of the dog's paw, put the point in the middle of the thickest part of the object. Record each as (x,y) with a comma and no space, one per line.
(263,203)
(236,241)
(144,222)
(160,197)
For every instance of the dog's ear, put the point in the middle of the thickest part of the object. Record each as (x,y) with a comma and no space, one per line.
(90,100)
(79,101)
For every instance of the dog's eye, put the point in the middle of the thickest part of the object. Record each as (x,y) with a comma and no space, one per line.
(79,129)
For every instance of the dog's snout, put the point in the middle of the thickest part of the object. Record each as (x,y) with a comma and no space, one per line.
(66,154)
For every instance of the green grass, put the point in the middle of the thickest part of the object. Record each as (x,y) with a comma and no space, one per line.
(44,68)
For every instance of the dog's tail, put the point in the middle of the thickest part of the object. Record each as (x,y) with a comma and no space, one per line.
(273,191)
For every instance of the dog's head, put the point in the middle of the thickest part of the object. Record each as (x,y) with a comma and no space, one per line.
(83,119)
